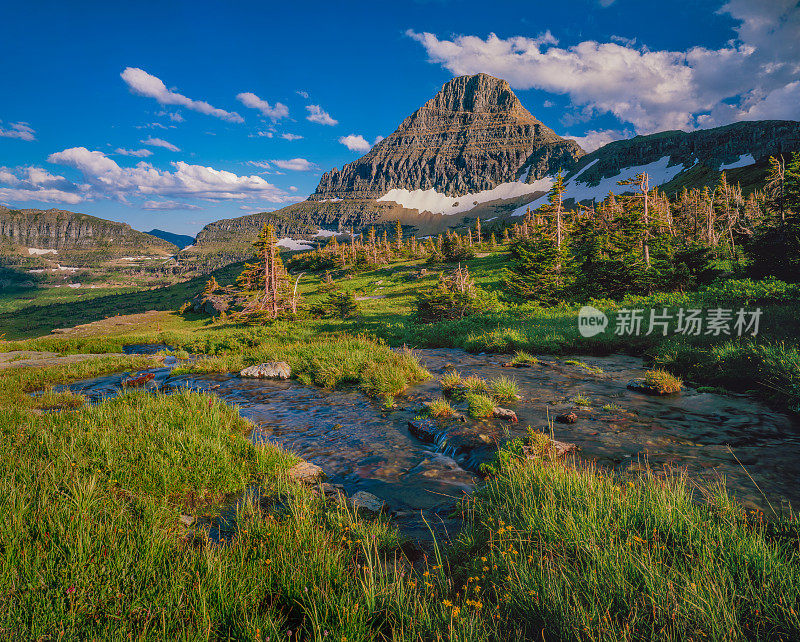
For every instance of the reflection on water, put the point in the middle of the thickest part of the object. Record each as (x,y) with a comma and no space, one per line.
(364,447)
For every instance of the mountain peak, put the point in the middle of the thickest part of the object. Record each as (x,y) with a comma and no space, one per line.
(480,93)
(473,135)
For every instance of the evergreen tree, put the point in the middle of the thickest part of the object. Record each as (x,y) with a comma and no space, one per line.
(535,271)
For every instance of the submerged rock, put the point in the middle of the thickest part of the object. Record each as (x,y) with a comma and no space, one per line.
(268,370)
(567,418)
(306,473)
(367,502)
(146,379)
(423,429)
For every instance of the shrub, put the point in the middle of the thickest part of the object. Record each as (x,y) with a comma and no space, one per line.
(340,304)
(750,292)
(454,297)
(662,381)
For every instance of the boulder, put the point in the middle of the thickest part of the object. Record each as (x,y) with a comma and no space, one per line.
(639,385)
(505,413)
(214,305)
(423,429)
(306,473)
(268,370)
(567,418)
(367,503)
(557,448)
(146,379)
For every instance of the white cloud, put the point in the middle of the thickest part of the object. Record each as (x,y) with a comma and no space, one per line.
(168,205)
(108,180)
(294,164)
(20,130)
(160,142)
(317,115)
(288,136)
(37,184)
(594,139)
(302,93)
(141,153)
(146,84)
(174,116)
(357,143)
(651,90)
(274,113)
(264,134)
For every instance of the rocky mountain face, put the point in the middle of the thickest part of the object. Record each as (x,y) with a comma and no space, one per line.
(56,229)
(475,135)
(714,149)
(471,136)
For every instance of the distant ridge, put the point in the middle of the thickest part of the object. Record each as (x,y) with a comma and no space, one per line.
(181,240)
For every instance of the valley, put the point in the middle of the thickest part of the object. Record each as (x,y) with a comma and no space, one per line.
(479,385)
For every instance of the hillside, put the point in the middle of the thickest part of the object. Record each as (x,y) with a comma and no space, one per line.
(474,151)
(179,240)
(82,238)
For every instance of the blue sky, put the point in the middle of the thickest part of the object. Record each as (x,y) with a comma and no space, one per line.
(174,114)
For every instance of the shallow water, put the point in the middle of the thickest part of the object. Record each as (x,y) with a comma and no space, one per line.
(364,447)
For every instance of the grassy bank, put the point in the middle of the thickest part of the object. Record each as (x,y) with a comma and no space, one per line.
(91,546)
(768,365)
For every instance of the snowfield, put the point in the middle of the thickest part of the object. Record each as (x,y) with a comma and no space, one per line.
(658,171)
(325,233)
(292,244)
(429,200)
(742,161)
(33,251)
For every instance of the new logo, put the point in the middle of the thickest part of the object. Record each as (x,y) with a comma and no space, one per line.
(591,321)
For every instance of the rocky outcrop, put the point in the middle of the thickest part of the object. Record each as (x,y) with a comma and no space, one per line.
(306,473)
(268,370)
(714,148)
(56,229)
(472,136)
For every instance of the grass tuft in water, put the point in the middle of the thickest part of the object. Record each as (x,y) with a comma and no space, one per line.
(504,389)
(662,381)
(480,406)
(440,408)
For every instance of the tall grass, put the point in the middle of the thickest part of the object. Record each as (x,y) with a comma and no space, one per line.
(574,553)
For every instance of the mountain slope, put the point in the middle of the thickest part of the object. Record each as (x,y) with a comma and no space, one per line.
(63,231)
(471,136)
(179,240)
(474,151)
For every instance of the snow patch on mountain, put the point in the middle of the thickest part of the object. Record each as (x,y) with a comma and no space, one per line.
(429,200)
(293,244)
(660,172)
(742,161)
(325,233)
